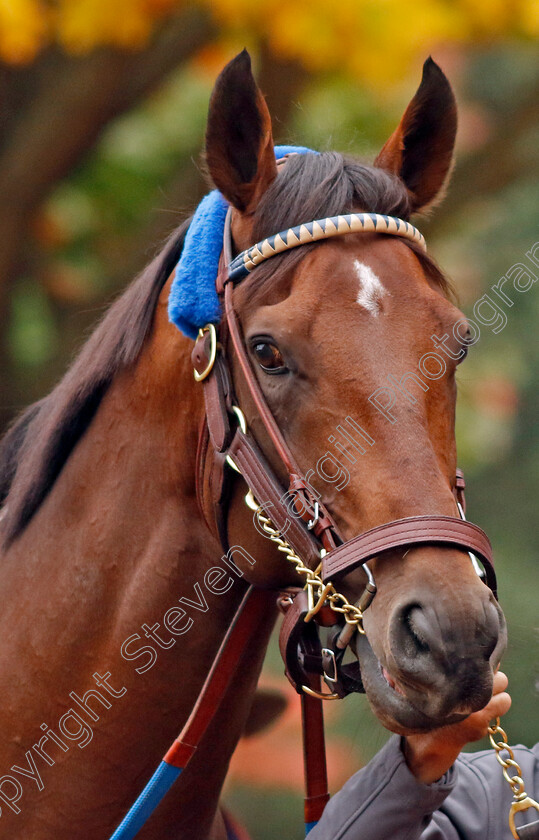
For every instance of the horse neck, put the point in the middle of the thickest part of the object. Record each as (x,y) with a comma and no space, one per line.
(116,546)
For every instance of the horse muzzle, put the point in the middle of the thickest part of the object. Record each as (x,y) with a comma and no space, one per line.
(434,672)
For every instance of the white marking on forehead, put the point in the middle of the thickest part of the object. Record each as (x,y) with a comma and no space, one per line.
(371,290)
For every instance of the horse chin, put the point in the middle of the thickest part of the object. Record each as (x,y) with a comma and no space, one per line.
(389,703)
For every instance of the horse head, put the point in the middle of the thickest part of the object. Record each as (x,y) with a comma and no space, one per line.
(355,344)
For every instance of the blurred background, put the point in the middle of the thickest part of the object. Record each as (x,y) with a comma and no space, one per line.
(102,114)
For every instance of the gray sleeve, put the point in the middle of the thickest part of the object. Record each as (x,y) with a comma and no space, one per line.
(479,805)
(384,800)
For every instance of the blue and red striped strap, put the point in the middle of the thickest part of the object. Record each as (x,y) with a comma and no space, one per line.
(251,611)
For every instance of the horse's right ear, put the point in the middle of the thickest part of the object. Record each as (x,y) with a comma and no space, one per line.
(420,150)
(239,141)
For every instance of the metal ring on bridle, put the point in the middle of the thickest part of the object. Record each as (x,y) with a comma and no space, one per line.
(210,329)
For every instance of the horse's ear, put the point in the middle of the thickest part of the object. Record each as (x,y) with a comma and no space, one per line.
(239,141)
(421,149)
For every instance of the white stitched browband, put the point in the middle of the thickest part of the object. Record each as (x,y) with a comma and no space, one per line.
(321,229)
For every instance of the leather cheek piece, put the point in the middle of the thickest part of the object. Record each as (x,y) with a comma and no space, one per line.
(293,631)
(216,393)
(404,533)
(252,464)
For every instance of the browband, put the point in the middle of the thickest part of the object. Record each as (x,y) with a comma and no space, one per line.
(304,234)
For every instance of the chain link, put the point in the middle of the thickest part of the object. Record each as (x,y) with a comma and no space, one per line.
(521,800)
(319,592)
(515,782)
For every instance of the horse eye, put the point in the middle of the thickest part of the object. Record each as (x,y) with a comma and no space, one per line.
(269,357)
(465,346)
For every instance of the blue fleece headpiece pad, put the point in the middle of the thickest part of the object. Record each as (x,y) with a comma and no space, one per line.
(193,300)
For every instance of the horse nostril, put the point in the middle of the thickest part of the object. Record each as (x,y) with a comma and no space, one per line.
(415,630)
(421,633)
(443,661)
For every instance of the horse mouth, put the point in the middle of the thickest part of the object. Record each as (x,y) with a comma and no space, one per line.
(393,684)
(388,699)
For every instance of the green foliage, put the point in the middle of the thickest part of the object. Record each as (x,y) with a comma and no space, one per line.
(32,333)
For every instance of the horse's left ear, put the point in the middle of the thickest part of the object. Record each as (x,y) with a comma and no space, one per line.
(421,149)
(239,141)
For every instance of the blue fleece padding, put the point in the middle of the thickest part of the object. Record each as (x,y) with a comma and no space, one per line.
(193,301)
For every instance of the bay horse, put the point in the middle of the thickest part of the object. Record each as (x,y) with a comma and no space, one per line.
(116,593)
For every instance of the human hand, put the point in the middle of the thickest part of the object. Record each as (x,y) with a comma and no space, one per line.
(430,755)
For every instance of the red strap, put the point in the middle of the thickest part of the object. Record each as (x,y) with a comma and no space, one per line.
(314,754)
(251,613)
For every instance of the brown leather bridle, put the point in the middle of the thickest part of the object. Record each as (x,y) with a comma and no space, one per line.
(310,535)
(311,528)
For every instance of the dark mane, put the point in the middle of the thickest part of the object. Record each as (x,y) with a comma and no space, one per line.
(37,446)
(10,447)
(314,186)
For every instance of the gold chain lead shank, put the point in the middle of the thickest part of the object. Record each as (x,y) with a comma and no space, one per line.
(521,800)
(318,592)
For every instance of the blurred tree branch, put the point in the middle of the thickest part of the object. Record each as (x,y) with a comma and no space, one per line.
(72,101)
(281,81)
(51,115)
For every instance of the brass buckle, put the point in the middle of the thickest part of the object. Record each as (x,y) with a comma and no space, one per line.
(520,805)
(319,694)
(209,328)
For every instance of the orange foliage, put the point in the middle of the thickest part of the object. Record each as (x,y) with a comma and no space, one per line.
(374,38)
(274,759)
